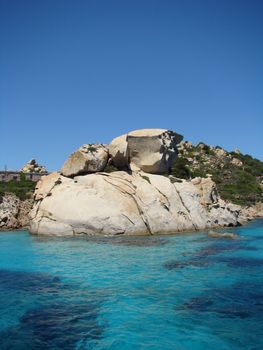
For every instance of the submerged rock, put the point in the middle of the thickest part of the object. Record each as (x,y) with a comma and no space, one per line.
(229,235)
(129,241)
(29,281)
(129,204)
(59,315)
(240,300)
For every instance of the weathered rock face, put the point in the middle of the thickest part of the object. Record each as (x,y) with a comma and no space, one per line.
(33,167)
(150,150)
(14,213)
(87,159)
(129,204)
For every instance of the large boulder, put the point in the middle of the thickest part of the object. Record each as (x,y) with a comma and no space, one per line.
(89,158)
(129,204)
(150,150)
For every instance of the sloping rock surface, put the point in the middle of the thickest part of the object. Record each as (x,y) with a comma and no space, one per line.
(129,204)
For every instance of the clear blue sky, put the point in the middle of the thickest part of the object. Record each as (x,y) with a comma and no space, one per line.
(82,71)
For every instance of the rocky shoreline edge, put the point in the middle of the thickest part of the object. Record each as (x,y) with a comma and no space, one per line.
(15,214)
(216,229)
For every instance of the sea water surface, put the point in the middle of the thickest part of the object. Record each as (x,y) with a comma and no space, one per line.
(182,292)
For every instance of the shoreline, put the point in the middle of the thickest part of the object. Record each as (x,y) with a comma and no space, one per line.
(216,228)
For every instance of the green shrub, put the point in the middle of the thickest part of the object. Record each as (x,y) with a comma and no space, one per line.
(146,178)
(23,189)
(180,168)
(198,173)
(58,182)
(240,185)
(92,149)
(110,169)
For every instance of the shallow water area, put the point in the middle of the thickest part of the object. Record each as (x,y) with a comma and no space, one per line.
(185,291)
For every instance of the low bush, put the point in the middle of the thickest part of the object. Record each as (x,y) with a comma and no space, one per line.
(23,189)
(180,168)
(238,184)
(110,169)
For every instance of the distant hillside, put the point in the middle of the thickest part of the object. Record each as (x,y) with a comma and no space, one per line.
(239,177)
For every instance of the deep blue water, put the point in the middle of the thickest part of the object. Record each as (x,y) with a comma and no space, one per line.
(178,292)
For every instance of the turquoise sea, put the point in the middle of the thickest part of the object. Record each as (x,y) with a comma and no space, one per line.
(182,292)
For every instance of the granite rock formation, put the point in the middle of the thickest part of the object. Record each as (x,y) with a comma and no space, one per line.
(139,199)
(89,158)
(130,204)
(150,150)
(33,167)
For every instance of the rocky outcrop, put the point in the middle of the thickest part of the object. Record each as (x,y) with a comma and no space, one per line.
(150,150)
(252,212)
(138,199)
(89,158)
(128,204)
(33,167)
(14,213)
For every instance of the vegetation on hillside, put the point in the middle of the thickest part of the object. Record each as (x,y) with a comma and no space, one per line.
(238,177)
(23,189)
